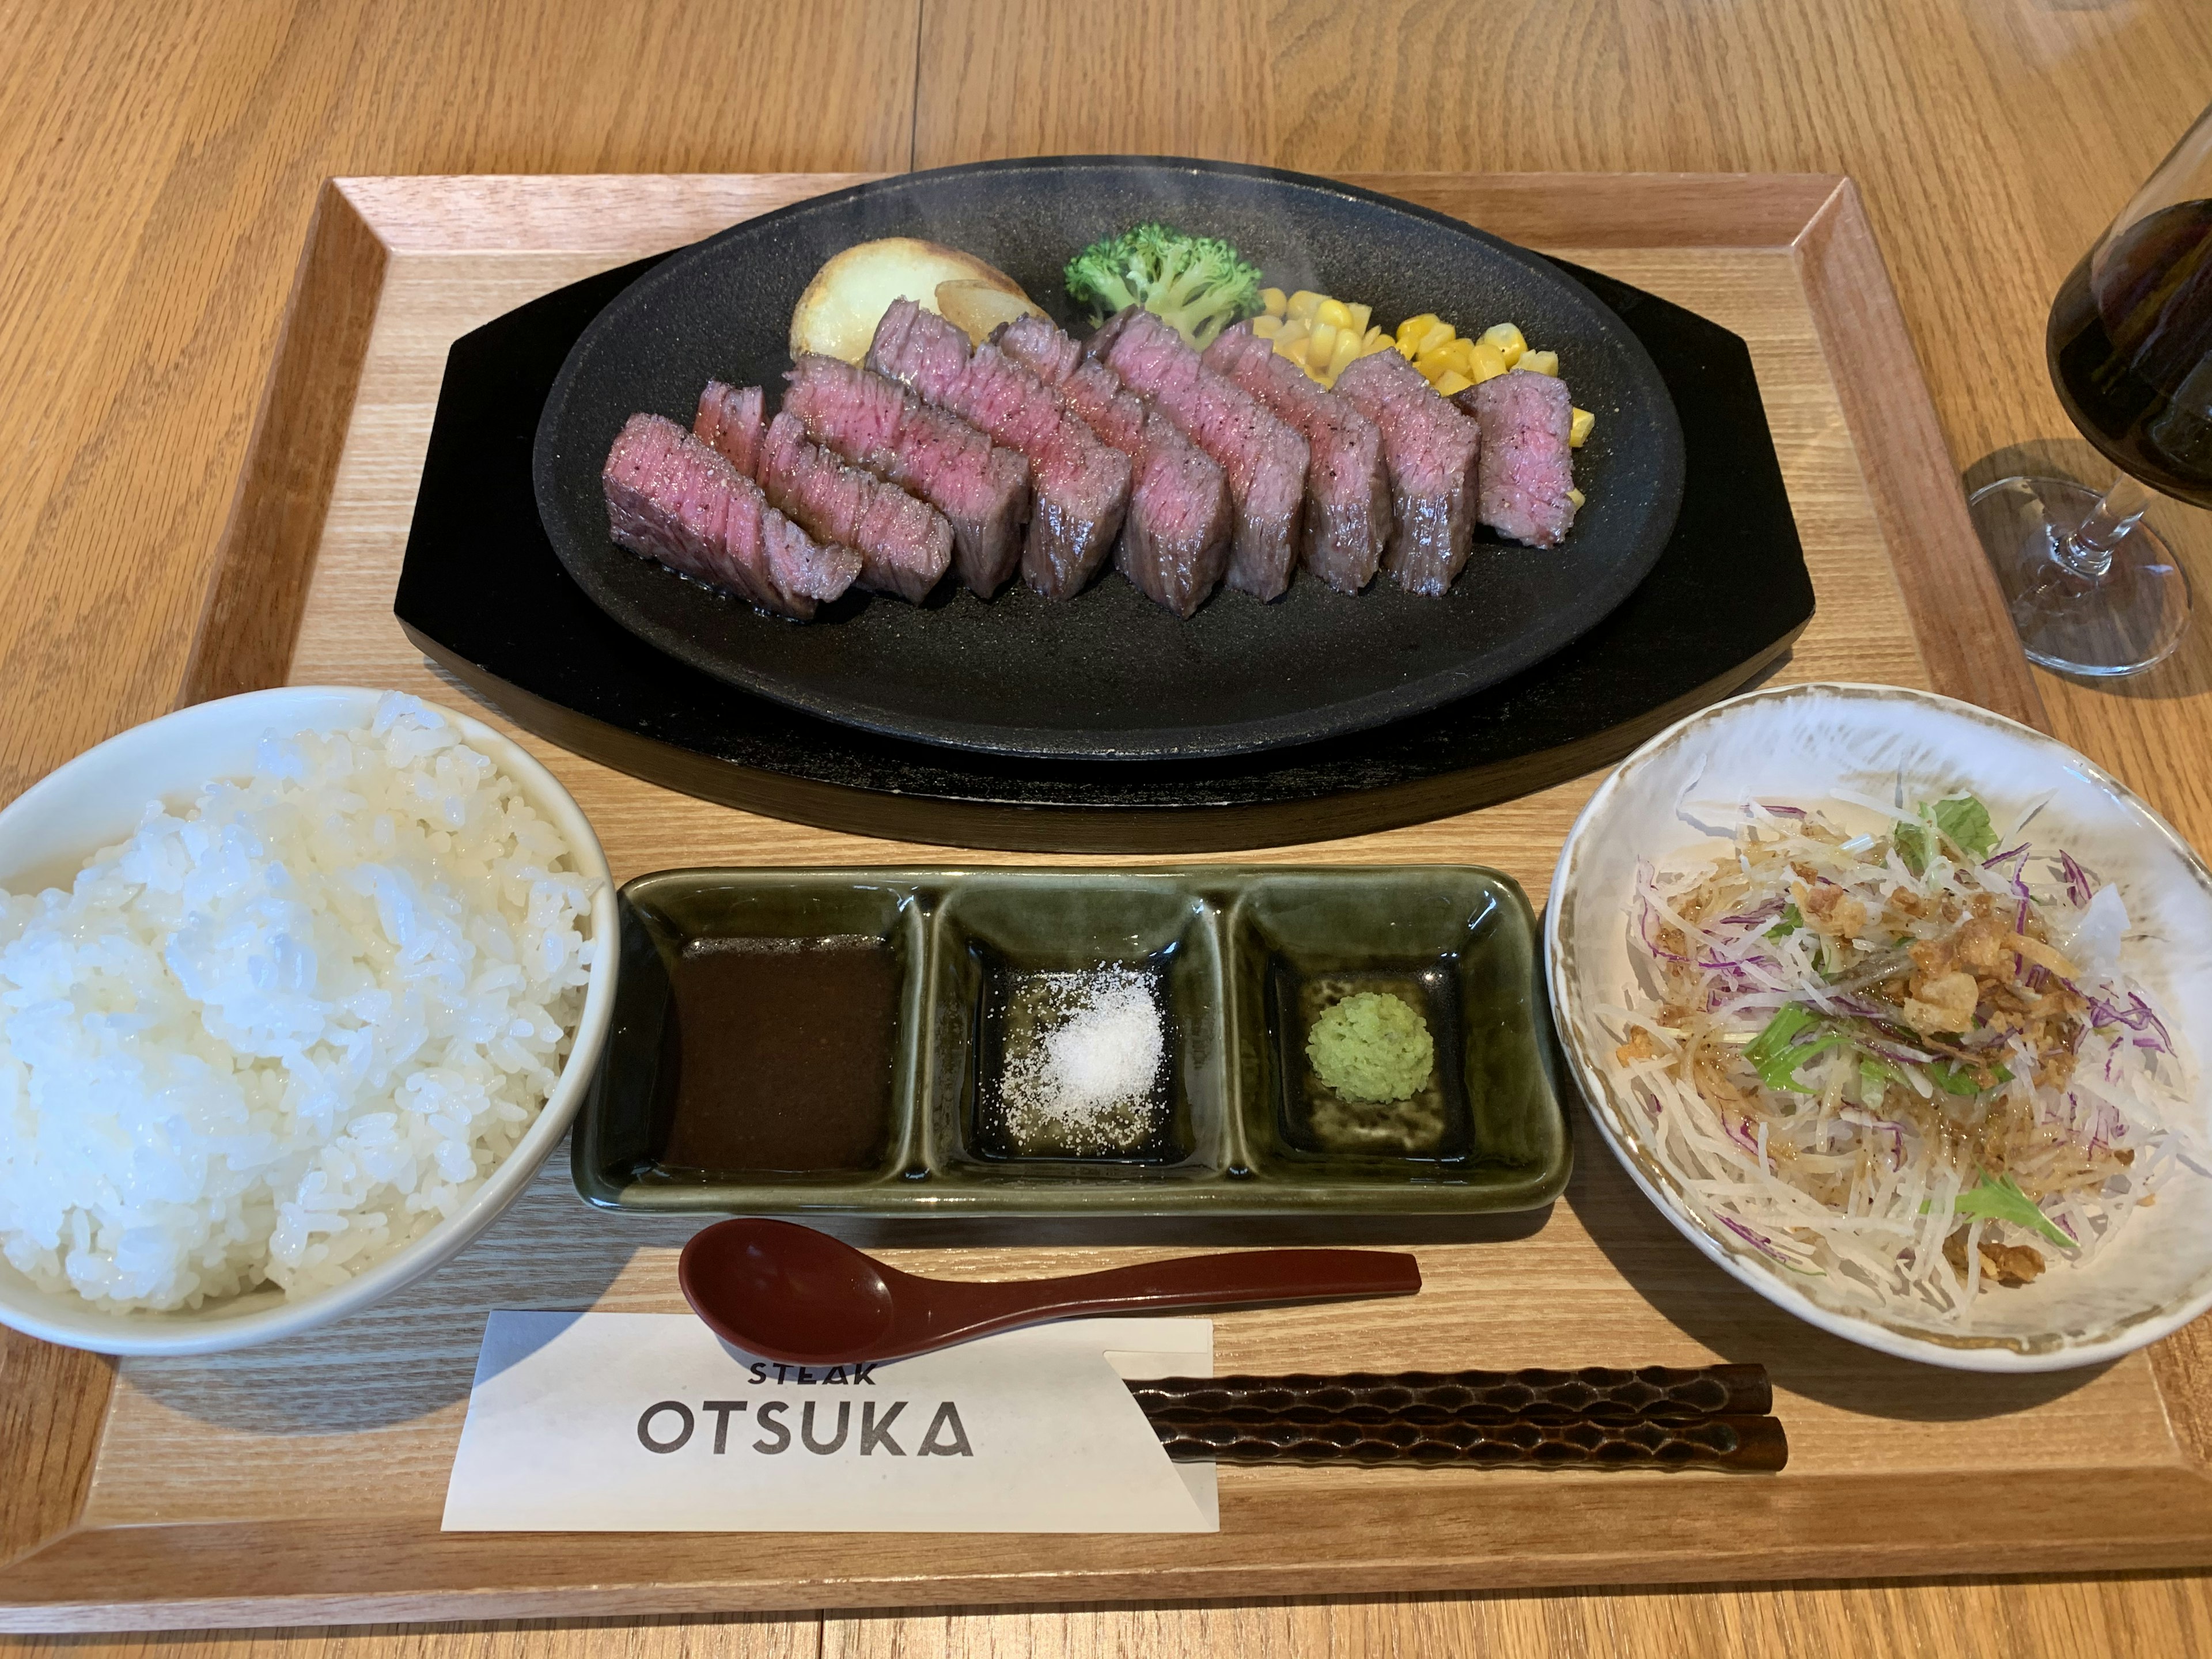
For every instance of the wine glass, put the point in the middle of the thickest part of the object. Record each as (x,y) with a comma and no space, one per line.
(2092,589)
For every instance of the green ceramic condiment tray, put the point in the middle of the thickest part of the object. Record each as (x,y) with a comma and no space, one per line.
(1239,961)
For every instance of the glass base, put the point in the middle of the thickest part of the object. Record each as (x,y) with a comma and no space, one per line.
(2121,622)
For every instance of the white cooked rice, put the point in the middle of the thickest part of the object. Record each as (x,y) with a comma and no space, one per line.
(277,1038)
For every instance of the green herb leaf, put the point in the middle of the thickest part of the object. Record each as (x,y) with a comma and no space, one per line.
(1957,1078)
(1888,1071)
(1875,1077)
(1960,819)
(1966,821)
(1788,1019)
(2002,1200)
(1776,1060)
(1791,920)
(1911,843)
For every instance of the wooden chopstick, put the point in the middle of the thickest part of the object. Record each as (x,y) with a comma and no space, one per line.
(1663,1416)
(1596,1393)
(1753,1444)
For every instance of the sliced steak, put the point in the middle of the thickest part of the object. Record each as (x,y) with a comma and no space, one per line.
(1348,491)
(731,421)
(1081,485)
(983,488)
(905,545)
(1263,458)
(1175,541)
(1526,467)
(674,498)
(1429,447)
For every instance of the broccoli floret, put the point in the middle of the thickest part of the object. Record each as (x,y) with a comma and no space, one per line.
(1198,285)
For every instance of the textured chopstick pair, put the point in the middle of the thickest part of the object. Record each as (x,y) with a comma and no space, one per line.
(1657,1417)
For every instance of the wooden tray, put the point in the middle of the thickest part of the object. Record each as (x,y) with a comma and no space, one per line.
(304,1483)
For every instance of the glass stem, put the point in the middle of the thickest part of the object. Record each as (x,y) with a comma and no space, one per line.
(2088,551)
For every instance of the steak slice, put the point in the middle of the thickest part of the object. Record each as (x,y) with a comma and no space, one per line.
(1429,447)
(1082,486)
(1526,467)
(674,498)
(1175,541)
(731,421)
(1262,457)
(1348,491)
(904,544)
(982,488)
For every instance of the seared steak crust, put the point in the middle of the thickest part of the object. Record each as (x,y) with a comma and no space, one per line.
(1082,485)
(733,421)
(1262,457)
(674,498)
(1526,467)
(1429,447)
(1175,541)
(1347,490)
(904,544)
(982,488)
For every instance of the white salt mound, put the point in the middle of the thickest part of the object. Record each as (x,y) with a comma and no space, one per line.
(275,1038)
(1090,1077)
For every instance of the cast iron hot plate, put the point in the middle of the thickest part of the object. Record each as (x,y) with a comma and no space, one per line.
(1109,674)
(483,594)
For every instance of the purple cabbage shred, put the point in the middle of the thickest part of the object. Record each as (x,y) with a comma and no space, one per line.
(2079,888)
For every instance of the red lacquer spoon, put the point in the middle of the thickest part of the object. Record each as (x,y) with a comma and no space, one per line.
(789,1293)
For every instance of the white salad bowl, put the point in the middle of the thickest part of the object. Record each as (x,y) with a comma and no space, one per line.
(97,800)
(1799,743)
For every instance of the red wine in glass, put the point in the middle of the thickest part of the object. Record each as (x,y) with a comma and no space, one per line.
(2130,349)
(2092,589)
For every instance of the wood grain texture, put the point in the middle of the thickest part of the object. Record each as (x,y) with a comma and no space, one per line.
(53,1403)
(165,163)
(246,1448)
(252,610)
(1957,609)
(162,162)
(2144,1616)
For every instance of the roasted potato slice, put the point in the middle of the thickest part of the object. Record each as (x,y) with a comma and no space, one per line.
(975,308)
(837,315)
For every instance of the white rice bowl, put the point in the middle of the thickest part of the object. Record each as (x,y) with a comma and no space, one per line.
(295,1022)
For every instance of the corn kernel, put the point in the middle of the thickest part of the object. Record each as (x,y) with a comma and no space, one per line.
(1411,331)
(1450,381)
(1579,424)
(1271,300)
(1540,363)
(1575,496)
(1459,353)
(1361,316)
(1438,336)
(1347,348)
(1294,349)
(1266,325)
(1507,338)
(1431,364)
(1324,343)
(1295,328)
(1485,362)
(1334,312)
(1386,343)
(1305,302)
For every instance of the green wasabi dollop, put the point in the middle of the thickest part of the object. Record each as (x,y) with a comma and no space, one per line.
(1371,1047)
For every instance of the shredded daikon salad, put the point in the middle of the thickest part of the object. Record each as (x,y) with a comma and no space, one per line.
(1907,1060)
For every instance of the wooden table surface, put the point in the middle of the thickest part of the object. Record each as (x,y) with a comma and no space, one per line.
(161,162)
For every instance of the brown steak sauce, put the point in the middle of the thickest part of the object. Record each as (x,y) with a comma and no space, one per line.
(780,1055)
